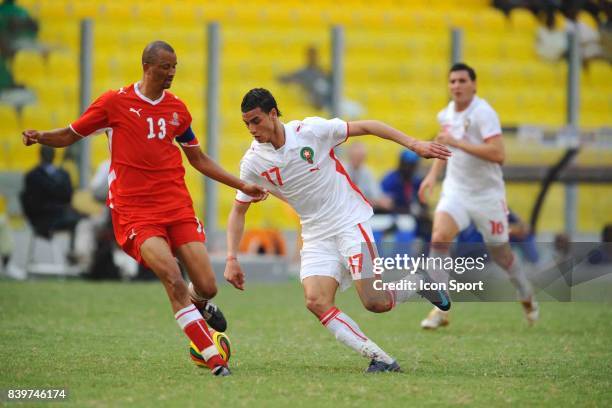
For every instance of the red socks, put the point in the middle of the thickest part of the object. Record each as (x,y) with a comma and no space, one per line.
(194,326)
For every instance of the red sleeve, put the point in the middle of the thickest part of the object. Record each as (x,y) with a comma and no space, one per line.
(185,121)
(94,118)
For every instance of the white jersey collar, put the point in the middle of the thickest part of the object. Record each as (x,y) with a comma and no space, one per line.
(289,141)
(469,108)
(144,98)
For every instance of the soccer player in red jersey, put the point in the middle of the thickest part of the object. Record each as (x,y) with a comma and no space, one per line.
(151,208)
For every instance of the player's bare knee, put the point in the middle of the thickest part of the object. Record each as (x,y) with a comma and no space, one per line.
(377,306)
(207,290)
(317,305)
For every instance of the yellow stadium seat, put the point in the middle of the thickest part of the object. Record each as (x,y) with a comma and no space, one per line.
(462,19)
(523,20)
(491,21)
(64,64)
(52,10)
(84,9)
(27,65)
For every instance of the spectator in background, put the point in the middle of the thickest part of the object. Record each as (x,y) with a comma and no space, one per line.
(17,29)
(46,198)
(99,182)
(401,186)
(603,254)
(103,265)
(589,38)
(363,178)
(551,41)
(562,246)
(313,79)
(316,83)
(6,77)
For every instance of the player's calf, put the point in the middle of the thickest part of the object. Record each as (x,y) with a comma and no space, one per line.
(176,289)
(211,312)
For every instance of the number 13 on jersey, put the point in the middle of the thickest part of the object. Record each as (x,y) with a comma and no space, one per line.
(161,124)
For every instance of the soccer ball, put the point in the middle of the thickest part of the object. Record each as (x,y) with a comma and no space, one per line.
(221,341)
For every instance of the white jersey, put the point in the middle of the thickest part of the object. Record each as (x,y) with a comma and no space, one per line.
(305,173)
(466,174)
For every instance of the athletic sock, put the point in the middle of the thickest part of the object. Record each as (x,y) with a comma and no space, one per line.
(519,280)
(439,275)
(399,296)
(348,332)
(194,326)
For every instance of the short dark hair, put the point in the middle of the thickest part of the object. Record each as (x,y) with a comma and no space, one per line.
(149,54)
(460,66)
(259,98)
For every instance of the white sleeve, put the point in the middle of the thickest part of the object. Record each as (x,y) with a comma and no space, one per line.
(331,132)
(488,123)
(247,174)
(441,117)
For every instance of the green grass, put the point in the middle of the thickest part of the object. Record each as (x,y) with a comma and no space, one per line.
(116,344)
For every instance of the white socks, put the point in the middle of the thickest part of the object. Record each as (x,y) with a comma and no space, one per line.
(439,275)
(348,332)
(519,280)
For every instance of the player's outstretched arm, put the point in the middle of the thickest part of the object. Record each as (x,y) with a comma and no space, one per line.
(207,166)
(492,149)
(428,150)
(235,227)
(54,138)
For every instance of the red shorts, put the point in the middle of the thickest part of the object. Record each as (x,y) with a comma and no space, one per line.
(131,235)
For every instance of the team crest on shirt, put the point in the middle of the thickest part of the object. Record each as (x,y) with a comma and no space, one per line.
(466,124)
(174,120)
(307,154)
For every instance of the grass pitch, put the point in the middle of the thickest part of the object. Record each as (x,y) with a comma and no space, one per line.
(117,344)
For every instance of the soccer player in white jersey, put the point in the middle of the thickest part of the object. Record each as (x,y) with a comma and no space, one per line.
(295,161)
(473,188)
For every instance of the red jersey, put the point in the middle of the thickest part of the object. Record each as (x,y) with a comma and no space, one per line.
(146,173)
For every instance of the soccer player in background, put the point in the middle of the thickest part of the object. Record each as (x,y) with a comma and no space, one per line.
(473,188)
(296,162)
(152,211)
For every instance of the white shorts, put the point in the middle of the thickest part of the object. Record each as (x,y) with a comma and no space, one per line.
(489,214)
(344,256)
